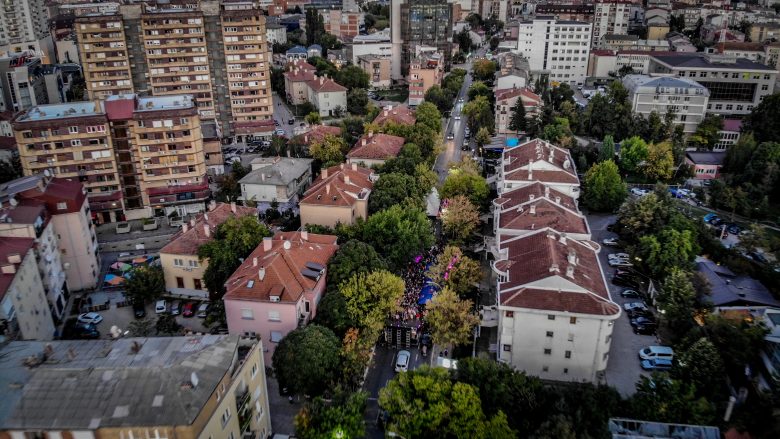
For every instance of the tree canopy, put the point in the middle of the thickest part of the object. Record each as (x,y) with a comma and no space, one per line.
(455,270)
(371,297)
(340,417)
(450,318)
(400,232)
(314,350)
(145,284)
(459,218)
(762,121)
(464,179)
(329,151)
(353,257)
(633,152)
(393,189)
(604,189)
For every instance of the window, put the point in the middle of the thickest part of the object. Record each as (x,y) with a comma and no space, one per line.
(549,333)
(73,130)
(567,354)
(225,417)
(507,348)
(193,263)
(573,320)
(62,206)
(565,370)
(571,337)
(545,368)
(605,356)
(548,352)
(550,317)
(178,262)
(274,316)
(247,314)
(259,410)
(276,336)
(179,282)
(254,370)
(509,314)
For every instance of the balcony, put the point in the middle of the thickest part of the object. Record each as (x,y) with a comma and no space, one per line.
(244,410)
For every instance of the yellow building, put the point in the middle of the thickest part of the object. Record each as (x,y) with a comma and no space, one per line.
(72,140)
(179,258)
(339,195)
(194,387)
(104,58)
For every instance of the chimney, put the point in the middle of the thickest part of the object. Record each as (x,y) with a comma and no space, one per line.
(212,205)
(184,228)
(324,174)
(288,153)
(346,179)
(262,176)
(572,257)
(533,209)
(8,269)
(254,262)
(322,80)
(563,239)
(530,169)
(192,223)
(207,230)
(233,206)
(305,235)
(206,216)
(370,134)
(364,141)
(547,191)
(570,271)
(557,200)
(386,112)
(267,241)
(15,258)
(354,166)
(531,197)
(261,273)
(552,155)
(554,268)
(327,188)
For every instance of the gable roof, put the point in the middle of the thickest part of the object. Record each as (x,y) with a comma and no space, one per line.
(277,266)
(318,132)
(189,238)
(533,214)
(300,75)
(322,84)
(524,93)
(538,160)
(340,185)
(400,114)
(547,271)
(276,171)
(376,146)
(728,289)
(9,247)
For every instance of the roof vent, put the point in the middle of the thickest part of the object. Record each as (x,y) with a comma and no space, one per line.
(572,257)
(14,258)
(563,239)
(8,269)
(275,298)
(533,209)
(261,273)
(554,268)
(250,283)
(287,245)
(570,271)
(557,200)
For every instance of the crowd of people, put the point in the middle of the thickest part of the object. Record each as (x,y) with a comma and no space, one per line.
(415,280)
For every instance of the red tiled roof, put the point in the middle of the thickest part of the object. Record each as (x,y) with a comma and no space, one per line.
(60,190)
(300,65)
(743,45)
(322,84)
(187,242)
(376,147)
(8,247)
(278,271)
(509,93)
(558,170)
(538,190)
(401,115)
(538,275)
(541,213)
(318,132)
(340,185)
(300,75)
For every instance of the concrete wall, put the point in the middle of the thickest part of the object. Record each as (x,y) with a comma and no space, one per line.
(78,246)
(327,216)
(326,102)
(29,301)
(188,273)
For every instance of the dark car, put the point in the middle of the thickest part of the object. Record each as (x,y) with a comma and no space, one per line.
(189,309)
(291,122)
(631,294)
(139,311)
(636,313)
(631,278)
(648,329)
(623,282)
(734,229)
(716,222)
(75,330)
(642,321)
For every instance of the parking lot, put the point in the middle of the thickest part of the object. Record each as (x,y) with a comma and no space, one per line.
(623,369)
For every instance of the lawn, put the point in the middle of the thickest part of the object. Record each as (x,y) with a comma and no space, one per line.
(395,94)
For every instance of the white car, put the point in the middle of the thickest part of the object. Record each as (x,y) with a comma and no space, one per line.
(402,361)
(161,307)
(638,192)
(280,132)
(612,242)
(618,256)
(635,305)
(620,263)
(90,317)
(457,117)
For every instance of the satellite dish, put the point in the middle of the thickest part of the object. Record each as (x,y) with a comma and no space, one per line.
(13,201)
(287,245)
(194,379)
(47,173)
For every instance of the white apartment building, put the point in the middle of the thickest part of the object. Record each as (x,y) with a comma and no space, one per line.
(687,98)
(24,26)
(555,47)
(555,314)
(611,17)
(538,161)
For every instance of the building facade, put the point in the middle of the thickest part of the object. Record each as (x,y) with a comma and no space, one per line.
(378,70)
(276,179)
(104,57)
(685,97)
(419,22)
(610,17)
(425,70)
(557,48)
(339,195)
(24,26)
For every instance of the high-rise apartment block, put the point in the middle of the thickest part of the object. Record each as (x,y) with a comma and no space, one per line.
(214,50)
(24,26)
(419,23)
(557,48)
(611,17)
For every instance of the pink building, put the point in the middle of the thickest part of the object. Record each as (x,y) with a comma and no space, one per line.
(278,286)
(706,165)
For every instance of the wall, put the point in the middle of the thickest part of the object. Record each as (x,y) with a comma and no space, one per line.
(366,163)
(327,216)
(264,192)
(259,323)
(379,49)
(188,273)
(78,246)
(30,304)
(326,102)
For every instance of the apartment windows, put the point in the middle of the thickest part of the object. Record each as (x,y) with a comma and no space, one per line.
(193,263)
(567,354)
(573,320)
(247,314)
(545,368)
(507,348)
(254,370)
(276,336)
(549,334)
(259,410)
(73,130)
(566,370)
(571,337)
(548,352)
(225,417)
(274,316)
(509,314)
(62,206)
(178,262)
(550,317)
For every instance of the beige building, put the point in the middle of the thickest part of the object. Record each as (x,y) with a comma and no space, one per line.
(23,305)
(327,96)
(338,196)
(295,78)
(425,71)
(506,101)
(375,149)
(181,266)
(276,179)
(136,388)
(378,70)
(104,57)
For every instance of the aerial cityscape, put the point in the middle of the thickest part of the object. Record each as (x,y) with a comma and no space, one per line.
(343,219)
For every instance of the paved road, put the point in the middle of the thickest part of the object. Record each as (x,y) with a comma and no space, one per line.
(282,114)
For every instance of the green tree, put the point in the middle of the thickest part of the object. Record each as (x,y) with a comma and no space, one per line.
(676,301)
(332,313)
(440,98)
(558,132)
(668,250)
(393,189)
(145,284)
(659,164)
(557,427)
(604,190)
(371,297)
(166,324)
(459,218)
(464,40)
(329,151)
(456,271)
(357,101)
(450,318)
(314,350)
(10,169)
(315,26)
(663,399)
(426,178)
(352,258)
(633,152)
(141,327)
(233,240)
(352,77)
(427,114)
(484,70)
(425,403)
(464,179)
(483,137)
(739,343)
(339,417)
(762,120)
(645,215)
(479,88)
(607,150)
(400,232)
(517,121)
(702,366)
(707,134)
(479,113)
(313,118)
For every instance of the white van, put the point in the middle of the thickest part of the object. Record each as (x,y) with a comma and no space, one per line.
(656,352)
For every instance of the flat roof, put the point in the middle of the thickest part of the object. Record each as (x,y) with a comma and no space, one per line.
(59,111)
(172,102)
(702,61)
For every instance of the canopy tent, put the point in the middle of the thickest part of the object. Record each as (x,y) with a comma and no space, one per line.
(121,266)
(142,260)
(427,292)
(113,279)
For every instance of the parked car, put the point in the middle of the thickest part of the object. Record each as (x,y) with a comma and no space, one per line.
(734,229)
(457,116)
(647,329)
(623,282)
(176,307)
(161,307)
(630,277)
(709,217)
(638,192)
(639,312)
(630,294)
(280,132)
(189,309)
(634,305)
(612,242)
(655,352)
(620,263)
(90,317)
(402,361)
(139,310)
(290,121)
(618,256)
(203,310)
(642,321)
(657,364)
(85,331)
